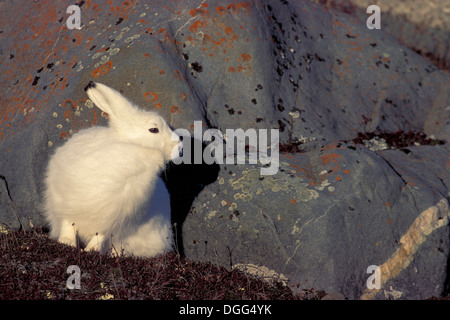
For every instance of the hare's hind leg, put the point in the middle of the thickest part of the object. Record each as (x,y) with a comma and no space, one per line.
(68,233)
(96,243)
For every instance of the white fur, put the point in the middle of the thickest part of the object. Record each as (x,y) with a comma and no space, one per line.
(103,184)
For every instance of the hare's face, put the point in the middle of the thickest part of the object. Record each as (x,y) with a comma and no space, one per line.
(153,132)
(131,124)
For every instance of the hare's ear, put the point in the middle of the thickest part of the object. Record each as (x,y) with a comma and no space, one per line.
(107,99)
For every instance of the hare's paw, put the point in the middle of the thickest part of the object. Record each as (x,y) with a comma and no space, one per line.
(96,243)
(67,240)
(68,233)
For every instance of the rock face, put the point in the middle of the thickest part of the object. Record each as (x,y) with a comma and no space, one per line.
(334,207)
(422,26)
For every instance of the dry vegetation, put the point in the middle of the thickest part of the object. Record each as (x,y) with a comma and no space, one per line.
(32,266)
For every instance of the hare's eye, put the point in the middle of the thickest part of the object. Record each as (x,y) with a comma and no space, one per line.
(154,130)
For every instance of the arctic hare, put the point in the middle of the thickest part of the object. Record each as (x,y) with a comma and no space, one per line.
(103,184)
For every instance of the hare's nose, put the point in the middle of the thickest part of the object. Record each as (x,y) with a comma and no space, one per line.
(180,146)
(89,85)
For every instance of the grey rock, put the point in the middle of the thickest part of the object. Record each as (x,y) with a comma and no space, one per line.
(315,218)
(422,26)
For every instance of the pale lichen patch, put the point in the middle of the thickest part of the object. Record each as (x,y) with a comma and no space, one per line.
(251,183)
(262,272)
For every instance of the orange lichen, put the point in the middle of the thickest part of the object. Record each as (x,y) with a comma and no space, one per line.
(232,8)
(103,69)
(196,25)
(153,94)
(64,135)
(356,48)
(228,31)
(245,57)
(175,109)
(124,10)
(178,75)
(200,11)
(330,158)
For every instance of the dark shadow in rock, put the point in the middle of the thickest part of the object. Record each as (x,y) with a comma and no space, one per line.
(184,182)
